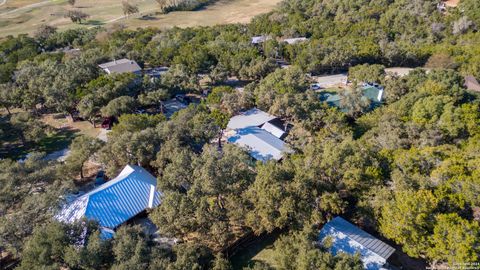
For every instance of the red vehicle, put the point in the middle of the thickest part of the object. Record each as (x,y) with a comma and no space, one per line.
(107,123)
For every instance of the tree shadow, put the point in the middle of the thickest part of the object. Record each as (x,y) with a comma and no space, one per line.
(245,256)
(94,22)
(148,18)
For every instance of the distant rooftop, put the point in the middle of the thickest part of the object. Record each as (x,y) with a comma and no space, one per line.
(172,106)
(259,39)
(121,66)
(350,239)
(292,41)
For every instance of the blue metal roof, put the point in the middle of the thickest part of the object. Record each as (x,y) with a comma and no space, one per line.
(116,201)
(350,239)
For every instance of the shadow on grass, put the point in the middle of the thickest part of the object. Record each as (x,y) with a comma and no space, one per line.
(246,256)
(58,141)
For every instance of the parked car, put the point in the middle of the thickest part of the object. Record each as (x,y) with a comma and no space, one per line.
(107,123)
(315,86)
(100,178)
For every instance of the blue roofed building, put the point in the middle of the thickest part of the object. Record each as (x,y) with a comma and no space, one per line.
(348,238)
(118,200)
(374,93)
(260,133)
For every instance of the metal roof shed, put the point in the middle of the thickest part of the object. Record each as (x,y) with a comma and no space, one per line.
(116,201)
(348,238)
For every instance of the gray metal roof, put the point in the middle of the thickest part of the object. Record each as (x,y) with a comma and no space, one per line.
(120,66)
(351,239)
(251,118)
(261,144)
(116,201)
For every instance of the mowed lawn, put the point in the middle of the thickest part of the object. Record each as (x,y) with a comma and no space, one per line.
(24,16)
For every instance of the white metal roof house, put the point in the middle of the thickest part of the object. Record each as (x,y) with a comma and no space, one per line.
(259,39)
(260,133)
(121,66)
(292,41)
(348,238)
(116,201)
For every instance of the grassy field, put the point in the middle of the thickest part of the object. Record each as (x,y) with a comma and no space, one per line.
(24,16)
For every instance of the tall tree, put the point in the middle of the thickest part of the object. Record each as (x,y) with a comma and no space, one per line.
(128,8)
(28,127)
(76,16)
(81,149)
(455,240)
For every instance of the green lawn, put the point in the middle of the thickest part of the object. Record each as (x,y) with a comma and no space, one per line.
(260,251)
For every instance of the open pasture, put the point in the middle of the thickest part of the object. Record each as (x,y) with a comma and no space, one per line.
(24,16)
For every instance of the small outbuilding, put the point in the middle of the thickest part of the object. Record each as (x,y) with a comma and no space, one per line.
(345,237)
